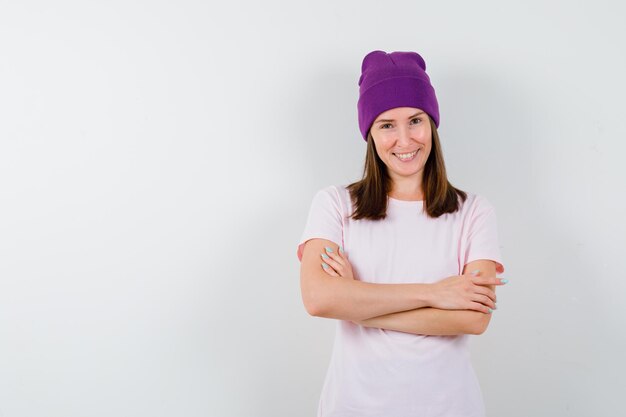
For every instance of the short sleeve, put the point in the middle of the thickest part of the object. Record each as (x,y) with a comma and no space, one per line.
(481,234)
(325,219)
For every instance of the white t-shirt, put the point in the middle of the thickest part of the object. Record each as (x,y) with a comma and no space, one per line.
(384,373)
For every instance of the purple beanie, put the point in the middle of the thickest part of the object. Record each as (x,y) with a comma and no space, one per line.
(392,80)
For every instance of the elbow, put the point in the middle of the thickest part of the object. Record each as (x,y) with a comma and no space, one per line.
(478,330)
(479,326)
(319,306)
(312,308)
(320,298)
(316,310)
(313,302)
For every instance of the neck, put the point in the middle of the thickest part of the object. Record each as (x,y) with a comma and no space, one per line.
(406,189)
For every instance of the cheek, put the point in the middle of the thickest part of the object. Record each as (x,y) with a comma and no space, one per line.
(427,141)
(426,135)
(383,144)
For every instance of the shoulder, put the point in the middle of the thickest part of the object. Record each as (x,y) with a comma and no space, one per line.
(476,203)
(328,193)
(337,193)
(332,197)
(330,190)
(476,208)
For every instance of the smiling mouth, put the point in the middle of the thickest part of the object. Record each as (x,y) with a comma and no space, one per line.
(406,156)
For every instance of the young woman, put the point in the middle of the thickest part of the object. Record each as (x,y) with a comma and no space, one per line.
(406,262)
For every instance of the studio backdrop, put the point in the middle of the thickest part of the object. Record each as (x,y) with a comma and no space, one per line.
(158,160)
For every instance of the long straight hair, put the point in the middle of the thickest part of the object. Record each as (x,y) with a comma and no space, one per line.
(369,195)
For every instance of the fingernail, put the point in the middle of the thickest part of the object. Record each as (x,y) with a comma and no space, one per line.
(490,311)
(504,280)
(475,272)
(324,265)
(341,248)
(325,256)
(329,249)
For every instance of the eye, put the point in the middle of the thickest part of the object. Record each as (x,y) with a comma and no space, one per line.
(417,118)
(385,124)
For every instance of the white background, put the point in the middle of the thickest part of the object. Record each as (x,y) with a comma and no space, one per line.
(158,159)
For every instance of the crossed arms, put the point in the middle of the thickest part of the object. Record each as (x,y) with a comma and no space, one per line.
(399,307)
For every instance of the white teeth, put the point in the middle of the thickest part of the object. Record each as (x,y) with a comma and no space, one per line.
(406,155)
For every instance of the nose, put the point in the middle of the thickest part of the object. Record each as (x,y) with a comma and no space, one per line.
(404,135)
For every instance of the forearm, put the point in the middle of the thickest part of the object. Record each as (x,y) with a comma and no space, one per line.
(431,321)
(357,300)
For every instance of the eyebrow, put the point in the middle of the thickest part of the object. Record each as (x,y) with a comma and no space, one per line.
(392,120)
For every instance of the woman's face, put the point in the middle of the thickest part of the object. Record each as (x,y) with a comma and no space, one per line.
(398,132)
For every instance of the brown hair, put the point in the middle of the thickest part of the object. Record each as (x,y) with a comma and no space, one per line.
(369,195)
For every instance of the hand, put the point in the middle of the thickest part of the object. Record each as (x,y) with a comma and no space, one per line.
(465,292)
(338,264)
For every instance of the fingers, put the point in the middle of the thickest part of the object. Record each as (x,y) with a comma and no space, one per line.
(480,280)
(333,259)
(329,270)
(489,280)
(485,295)
(485,301)
(480,307)
(486,291)
(338,255)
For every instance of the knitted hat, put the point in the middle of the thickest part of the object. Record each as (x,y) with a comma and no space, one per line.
(393,80)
